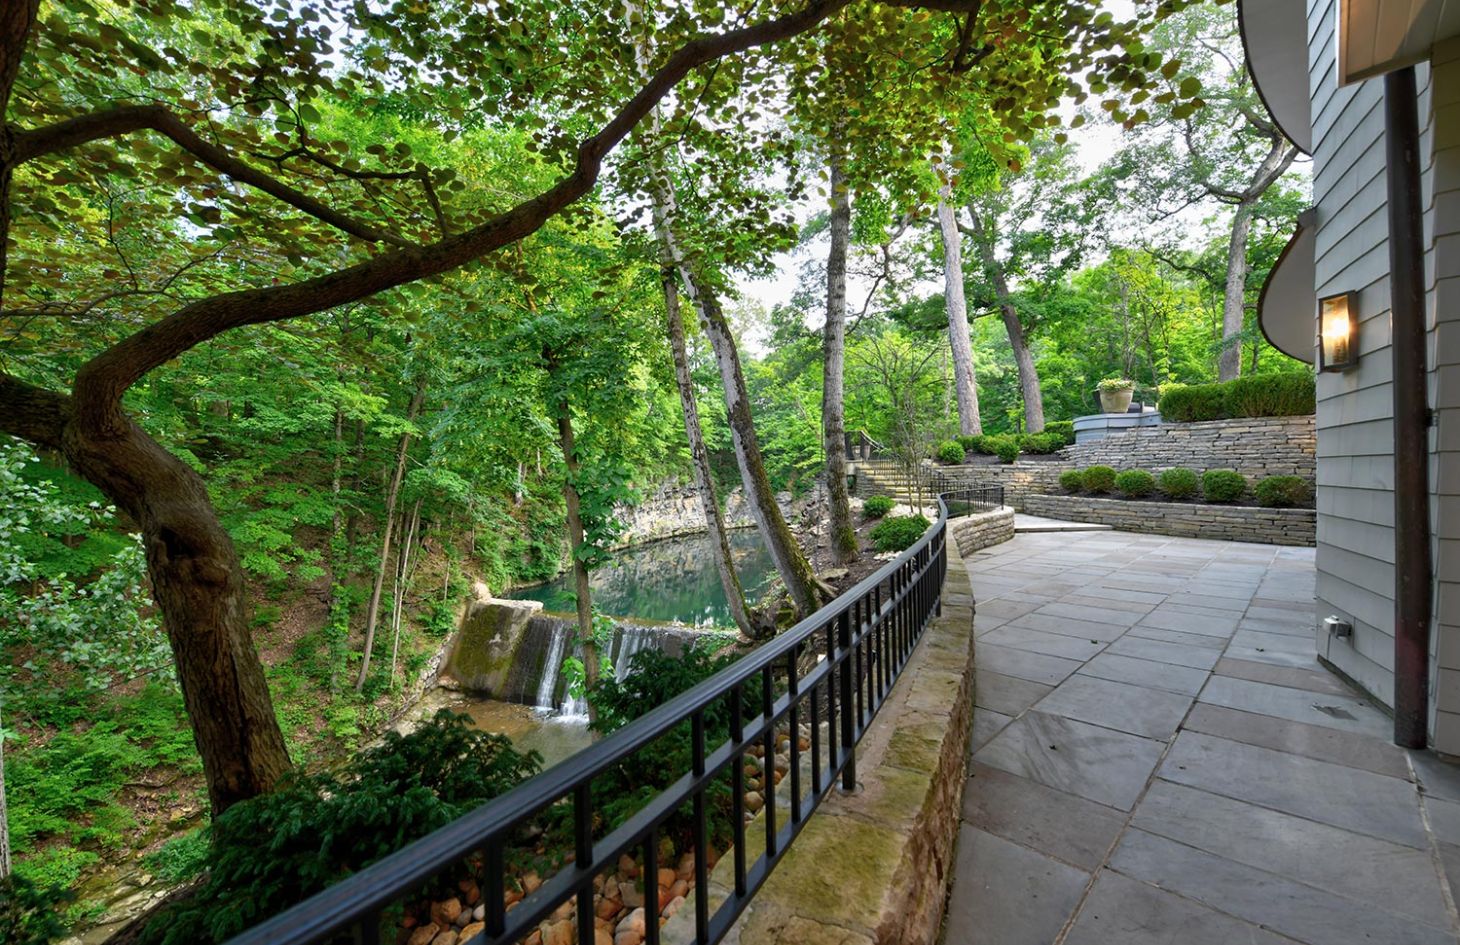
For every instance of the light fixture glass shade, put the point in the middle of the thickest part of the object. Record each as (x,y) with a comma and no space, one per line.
(1337,332)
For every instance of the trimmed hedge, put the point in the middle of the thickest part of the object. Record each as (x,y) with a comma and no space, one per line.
(950,452)
(1072,480)
(877,506)
(1064,429)
(1283,491)
(1222,485)
(1007,450)
(1178,483)
(899,532)
(1099,479)
(1135,483)
(1262,395)
(1041,443)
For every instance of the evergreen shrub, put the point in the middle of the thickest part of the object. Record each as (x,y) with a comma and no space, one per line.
(1178,483)
(1135,483)
(877,506)
(1072,480)
(899,532)
(1222,485)
(1007,449)
(1099,479)
(1283,491)
(1261,395)
(950,452)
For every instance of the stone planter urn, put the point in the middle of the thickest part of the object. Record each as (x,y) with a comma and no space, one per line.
(1115,394)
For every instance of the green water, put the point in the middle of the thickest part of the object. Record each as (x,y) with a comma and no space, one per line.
(670,580)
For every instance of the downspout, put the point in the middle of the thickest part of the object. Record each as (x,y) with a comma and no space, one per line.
(1412,582)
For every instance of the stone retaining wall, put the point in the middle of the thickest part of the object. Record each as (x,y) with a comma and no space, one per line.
(1254,447)
(873,868)
(1224,522)
(1019,479)
(972,532)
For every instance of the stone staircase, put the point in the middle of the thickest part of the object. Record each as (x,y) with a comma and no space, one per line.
(885,477)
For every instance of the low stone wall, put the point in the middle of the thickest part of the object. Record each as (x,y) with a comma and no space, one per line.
(1224,522)
(1019,479)
(1255,447)
(972,532)
(872,868)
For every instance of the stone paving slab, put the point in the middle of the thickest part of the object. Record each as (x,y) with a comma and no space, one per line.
(1184,772)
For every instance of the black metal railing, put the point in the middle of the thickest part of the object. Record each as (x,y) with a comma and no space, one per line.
(973,500)
(833,671)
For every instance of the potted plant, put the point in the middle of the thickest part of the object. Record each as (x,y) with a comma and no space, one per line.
(1115,394)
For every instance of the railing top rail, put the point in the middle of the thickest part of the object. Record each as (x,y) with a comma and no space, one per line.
(384,881)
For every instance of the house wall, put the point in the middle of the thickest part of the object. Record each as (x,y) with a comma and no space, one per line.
(1442,197)
(1355,463)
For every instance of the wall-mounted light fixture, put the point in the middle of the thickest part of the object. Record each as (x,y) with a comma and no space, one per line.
(1338,332)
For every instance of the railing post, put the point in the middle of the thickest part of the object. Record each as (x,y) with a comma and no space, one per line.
(844,674)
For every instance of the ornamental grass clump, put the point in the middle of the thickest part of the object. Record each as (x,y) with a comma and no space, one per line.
(1178,483)
(877,506)
(898,533)
(1135,483)
(1283,491)
(1099,479)
(1072,480)
(1222,485)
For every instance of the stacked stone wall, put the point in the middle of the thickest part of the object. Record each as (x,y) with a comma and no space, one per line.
(1183,520)
(982,530)
(1256,447)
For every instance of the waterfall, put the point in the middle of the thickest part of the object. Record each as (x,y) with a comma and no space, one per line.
(631,640)
(547,683)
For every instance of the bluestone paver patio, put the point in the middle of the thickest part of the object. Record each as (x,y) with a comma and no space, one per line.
(1158,759)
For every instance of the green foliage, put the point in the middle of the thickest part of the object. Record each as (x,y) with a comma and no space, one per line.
(877,506)
(1272,395)
(1072,480)
(1177,483)
(272,851)
(1112,384)
(652,679)
(1283,491)
(182,857)
(898,532)
(1007,449)
(64,791)
(1041,443)
(1064,429)
(1261,395)
(1182,403)
(1099,479)
(30,913)
(1222,485)
(950,452)
(969,443)
(1135,483)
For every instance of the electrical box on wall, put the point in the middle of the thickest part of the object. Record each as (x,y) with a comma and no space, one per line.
(1338,627)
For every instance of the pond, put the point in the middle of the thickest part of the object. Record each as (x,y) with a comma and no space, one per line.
(670,580)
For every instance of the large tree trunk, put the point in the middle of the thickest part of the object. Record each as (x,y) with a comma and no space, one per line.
(843,536)
(700,457)
(1234,302)
(392,495)
(790,561)
(965,381)
(198,585)
(587,646)
(4,813)
(1029,387)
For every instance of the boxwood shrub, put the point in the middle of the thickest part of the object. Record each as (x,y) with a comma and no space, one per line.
(1041,443)
(1064,429)
(1135,483)
(1099,479)
(1282,491)
(1177,483)
(1262,395)
(1072,480)
(899,532)
(1007,449)
(1222,485)
(877,506)
(950,452)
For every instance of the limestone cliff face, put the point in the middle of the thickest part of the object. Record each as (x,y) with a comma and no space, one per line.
(674,509)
